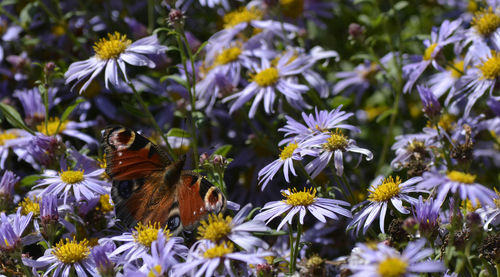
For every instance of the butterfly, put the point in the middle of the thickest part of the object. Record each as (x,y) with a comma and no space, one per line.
(149,187)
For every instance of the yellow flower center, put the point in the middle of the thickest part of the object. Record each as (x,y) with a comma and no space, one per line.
(155,271)
(314,261)
(490,69)
(146,234)
(485,22)
(228,55)
(388,189)
(336,141)
(469,205)
(51,128)
(243,14)
(392,267)
(266,77)
(300,198)
(28,205)
(287,152)
(7,136)
(461,177)
(112,47)
(104,204)
(416,146)
(457,70)
(219,250)
(58,29)
(71,176)
(70,252)
(292,8)
(472,6)
(497,199)
(215,228)
(429,51)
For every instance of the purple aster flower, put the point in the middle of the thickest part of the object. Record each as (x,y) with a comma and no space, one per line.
(328,146)
(432,107)
(460,183)
(291,152)
(12,229)
(317,123)
(299,202)
(77,183)
(48,208)
(15,139)
(494,105)
(448,33)
(65,256)
(139,241)
(9,179)
(491,215)
(386,261)
(268,80)
(113,53)
(221,259)
(104,266)
(31,100)
(382,191)
(415,147)
(44,149)
(447,80)
(216,228)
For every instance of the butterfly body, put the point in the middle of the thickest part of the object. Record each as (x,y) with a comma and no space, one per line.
(148,187)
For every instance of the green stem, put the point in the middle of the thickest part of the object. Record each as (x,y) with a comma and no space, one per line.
(191,88)
(293,258)
(497,266)
(152,119)
(443,151)
(291,266)
(12,18)
(151,13)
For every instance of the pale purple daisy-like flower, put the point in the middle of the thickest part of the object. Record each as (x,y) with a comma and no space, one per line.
(460,183)
(138,243)
(317,123)
(386,261)
(160,262)
(415,146)
(65,256)
(332,145)
(112,54)
(104,266)
(77,183)
(481,77)
(430,103)
(31,100)
(235,229)
(490,215)
(382,191)
(447,80)
(15,139)
(448,33)
(9,179)
(300,202)
(210,259)
(290,153)
(12,229)
(267,81)
(427,214)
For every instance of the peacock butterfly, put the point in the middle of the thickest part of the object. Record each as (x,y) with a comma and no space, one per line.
(149,187)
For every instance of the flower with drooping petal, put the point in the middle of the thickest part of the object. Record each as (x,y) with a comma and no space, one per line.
(385,261)
(382,191)
(299,202)
(12,229)
(112,54)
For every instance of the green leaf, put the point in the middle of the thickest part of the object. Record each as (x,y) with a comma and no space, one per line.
(29,180)
(25,15)
(14,118)
(70,109)
(271,233)
(177,132)
(400,5)
(175,78)
(385,114)
(199,49)
(223,150)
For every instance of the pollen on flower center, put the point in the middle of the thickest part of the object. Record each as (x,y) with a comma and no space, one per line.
(228,55)
(215,228)
(292,8)
(243,14)
(300,198)
(486,22)
(392,267)
(155,271)
(6,136)
(72,176)
(70,252)
(266,77)
(287,152)
(461,177)
(447,122)
(104,204)
(429,51)
(336,141)
(219,250)
(388,189)
(112,47)
(51,128)
(146,234)
(28,205)
(490,69)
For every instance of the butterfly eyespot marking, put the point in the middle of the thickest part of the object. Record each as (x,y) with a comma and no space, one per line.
(213,200)
(173,222)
